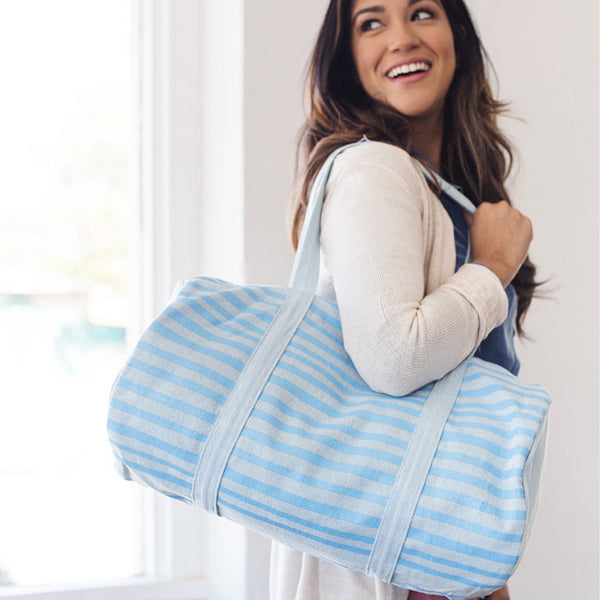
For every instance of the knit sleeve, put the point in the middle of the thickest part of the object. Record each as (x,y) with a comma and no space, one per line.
(372,240)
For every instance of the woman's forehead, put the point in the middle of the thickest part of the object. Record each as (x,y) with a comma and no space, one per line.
(379,5)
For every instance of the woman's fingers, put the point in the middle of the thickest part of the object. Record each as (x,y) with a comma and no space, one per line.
(500,238)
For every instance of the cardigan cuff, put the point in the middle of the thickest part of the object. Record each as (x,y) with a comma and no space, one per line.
(484,290)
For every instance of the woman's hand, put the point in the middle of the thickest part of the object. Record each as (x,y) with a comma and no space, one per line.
(500,238)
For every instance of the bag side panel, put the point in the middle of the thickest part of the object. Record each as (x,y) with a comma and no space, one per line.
(165,401)
(468,528)
(318,456)
(533,480)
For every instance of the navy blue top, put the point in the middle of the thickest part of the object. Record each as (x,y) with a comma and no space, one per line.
(498,347)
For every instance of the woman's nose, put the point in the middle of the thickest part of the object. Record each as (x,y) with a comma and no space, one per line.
(402,37)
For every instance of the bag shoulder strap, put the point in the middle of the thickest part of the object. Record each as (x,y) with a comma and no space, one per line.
(305,272)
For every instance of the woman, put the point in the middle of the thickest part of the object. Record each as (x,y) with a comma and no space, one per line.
(408,74)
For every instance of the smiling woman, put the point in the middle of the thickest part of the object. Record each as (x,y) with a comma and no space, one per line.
(419,284)
(404,56)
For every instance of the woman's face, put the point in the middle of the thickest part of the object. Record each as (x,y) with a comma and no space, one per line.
(404,54)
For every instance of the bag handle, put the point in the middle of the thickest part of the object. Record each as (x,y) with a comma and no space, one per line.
(305,272)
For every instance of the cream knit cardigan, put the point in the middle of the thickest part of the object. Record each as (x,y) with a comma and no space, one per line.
(388,259)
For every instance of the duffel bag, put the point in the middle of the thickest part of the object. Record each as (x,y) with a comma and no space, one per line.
(242,400)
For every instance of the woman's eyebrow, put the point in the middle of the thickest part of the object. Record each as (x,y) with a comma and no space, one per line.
(411,2)
(380,9)
(376,9)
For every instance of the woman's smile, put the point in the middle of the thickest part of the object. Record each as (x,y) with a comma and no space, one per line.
(404,54)
(409,71)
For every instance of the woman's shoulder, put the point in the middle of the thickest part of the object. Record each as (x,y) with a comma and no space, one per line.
(379,162)
(377,154)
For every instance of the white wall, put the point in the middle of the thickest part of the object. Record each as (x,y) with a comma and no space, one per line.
(546,56)
(545,53)
(278,40)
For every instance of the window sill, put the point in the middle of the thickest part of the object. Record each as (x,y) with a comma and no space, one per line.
(134,589)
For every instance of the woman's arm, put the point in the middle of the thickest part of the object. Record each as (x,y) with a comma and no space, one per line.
(373,242)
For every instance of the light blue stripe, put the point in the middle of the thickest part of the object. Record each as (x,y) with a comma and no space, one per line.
(241,306)
(199,308)
(218,285)
(340,358)
(358,434)
(179,405)
(317,459)
(449,576)
(251,292)
(477,482)
(462,413)
(449,436)
(182,382)
(336,339)
(271,292)
(478,462)
(336,533)
(504,376)
(239,319)
(187,364)
(303,534)
(500,577)
(186,485)
(333,321)
(335,513)
(152,458)
(313,401)
(454,546)
(157,420)
(508,380)
(306,480)
(349,375)
(345,373)
(488,390)
(355,390)
(194,327)
(366,399)
(507,434)
(176,497)
(170,335)
(130,432)
(474,503)
(468,525)
(337,445)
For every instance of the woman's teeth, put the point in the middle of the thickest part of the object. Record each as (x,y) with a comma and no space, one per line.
(408,69)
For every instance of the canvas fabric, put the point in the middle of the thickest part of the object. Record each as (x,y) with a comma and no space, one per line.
(243,401)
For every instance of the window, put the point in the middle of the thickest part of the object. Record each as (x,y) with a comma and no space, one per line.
(63,290)
(99,99)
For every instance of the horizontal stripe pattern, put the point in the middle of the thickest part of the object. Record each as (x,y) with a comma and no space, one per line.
(319,454)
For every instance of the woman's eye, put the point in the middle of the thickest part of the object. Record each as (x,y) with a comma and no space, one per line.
(370,24)
(422,14)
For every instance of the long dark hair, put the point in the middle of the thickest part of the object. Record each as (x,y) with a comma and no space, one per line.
(475,153)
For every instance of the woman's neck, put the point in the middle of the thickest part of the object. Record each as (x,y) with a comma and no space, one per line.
(427,139)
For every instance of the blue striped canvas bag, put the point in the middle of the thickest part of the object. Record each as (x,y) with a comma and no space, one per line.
(242,400)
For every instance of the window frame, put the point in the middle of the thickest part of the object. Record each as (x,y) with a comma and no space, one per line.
(129,589)
(173,562)
(187,193)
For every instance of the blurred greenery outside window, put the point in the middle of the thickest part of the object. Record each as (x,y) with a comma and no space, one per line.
(63,289)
